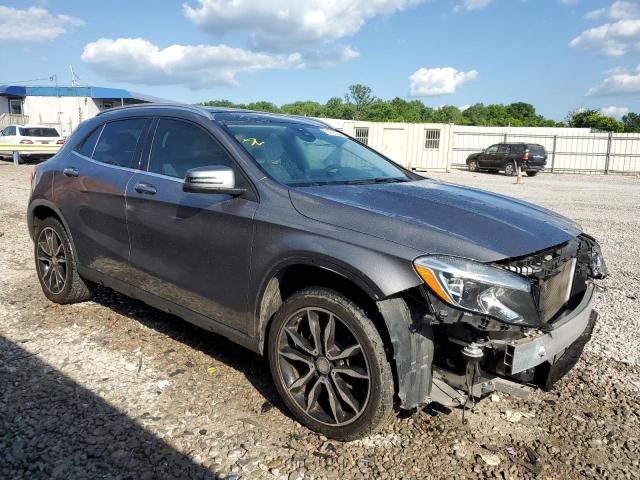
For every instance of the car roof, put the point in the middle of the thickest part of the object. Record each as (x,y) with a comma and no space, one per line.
(223,114)
(519,143)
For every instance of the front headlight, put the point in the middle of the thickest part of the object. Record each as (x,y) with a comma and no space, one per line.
(479,288)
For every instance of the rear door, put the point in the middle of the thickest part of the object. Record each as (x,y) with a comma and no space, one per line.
(193,249)
(502,156)
(90,191)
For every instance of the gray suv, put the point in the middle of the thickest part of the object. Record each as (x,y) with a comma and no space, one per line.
(368,288)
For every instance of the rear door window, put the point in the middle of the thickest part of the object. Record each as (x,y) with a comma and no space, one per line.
(180,146)
(503,149)
(86,146)
(118,142)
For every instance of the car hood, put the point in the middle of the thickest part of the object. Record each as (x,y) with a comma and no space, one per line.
(438,218)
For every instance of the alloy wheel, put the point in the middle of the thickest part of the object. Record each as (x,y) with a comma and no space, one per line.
(52,261)
(510,169)
(473,166)
(323,367)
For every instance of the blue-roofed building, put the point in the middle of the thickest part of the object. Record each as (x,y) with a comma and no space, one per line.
(62,107)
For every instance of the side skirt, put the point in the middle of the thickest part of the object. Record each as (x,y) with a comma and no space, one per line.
(170,307)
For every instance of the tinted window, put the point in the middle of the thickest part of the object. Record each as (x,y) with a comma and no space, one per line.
(492,149)
(118,141)
(38,132)
(503,148)
(536,150)
(85,147)
(180,146)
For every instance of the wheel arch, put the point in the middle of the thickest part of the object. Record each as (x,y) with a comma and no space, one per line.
(41,209)
(293,274)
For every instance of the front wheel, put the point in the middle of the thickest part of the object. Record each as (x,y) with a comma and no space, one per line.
(473,166)
(329,365)
(532,173)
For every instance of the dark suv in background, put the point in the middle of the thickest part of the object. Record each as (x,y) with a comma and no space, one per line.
(507,156)
(368,287)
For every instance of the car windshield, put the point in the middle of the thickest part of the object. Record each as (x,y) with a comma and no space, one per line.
(303,155)
(38,132)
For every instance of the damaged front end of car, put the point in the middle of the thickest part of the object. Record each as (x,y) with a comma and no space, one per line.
(475,328)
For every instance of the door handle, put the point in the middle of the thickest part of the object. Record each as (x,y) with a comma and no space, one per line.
(145,189)
(70,172)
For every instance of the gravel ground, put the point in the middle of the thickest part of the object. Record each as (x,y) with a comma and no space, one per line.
(114,389)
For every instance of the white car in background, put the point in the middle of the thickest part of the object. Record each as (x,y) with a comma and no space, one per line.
(29,135)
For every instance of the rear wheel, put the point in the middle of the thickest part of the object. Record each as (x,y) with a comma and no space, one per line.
(473,166)
(532,173)
(329,365)
(510,169)
(56,266)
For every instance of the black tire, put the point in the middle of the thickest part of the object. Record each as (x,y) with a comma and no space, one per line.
(511,169)
(376,410)
(473,166)
(532,173)
(70,287)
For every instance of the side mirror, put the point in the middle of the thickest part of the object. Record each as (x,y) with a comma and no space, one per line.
(213,179)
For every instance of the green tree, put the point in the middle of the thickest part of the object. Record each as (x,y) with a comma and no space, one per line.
(631,122)
(595,120)
(263,106)
(304,108)
(337,108)
(361,97)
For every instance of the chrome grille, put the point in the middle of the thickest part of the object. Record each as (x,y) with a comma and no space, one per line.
(555,291)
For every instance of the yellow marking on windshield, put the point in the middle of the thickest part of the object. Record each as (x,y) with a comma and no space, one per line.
(254,142)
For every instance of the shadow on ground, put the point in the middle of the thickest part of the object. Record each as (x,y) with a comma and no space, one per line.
(253,366)
(51,427)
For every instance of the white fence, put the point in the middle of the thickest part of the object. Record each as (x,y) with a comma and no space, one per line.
(442,147)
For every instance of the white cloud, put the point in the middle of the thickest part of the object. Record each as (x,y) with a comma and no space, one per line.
(279,24)
(194,66)
(615,112)
(618,82)
(35,24)
(614,38)
(427,82)
(471,5)
(570,2)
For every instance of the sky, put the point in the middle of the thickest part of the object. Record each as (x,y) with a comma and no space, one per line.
(559,55)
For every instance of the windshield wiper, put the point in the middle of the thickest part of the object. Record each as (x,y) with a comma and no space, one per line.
(365,181)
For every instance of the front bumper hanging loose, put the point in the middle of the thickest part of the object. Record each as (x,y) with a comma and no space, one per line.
(531,351)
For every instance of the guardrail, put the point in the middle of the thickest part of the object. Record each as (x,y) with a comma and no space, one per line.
(18,149)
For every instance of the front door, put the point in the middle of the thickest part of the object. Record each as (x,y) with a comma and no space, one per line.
(90,191)
(193,249)
(488,158)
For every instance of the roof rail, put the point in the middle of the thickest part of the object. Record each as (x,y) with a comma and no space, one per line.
(181,106)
